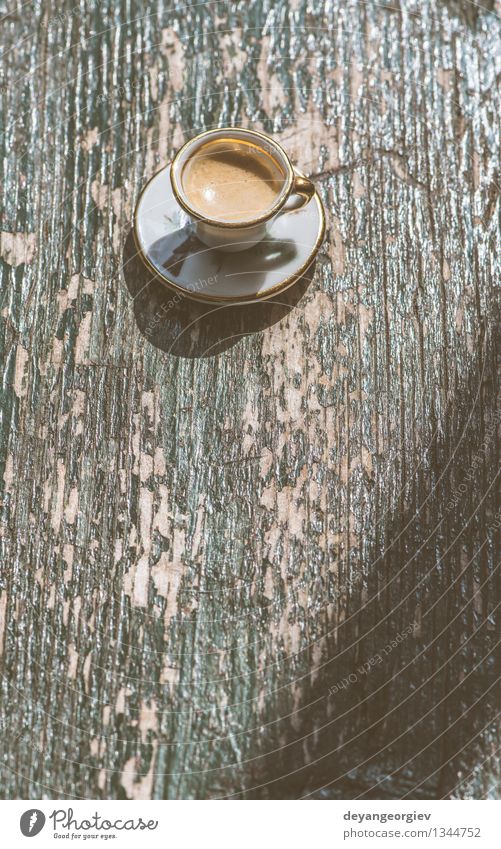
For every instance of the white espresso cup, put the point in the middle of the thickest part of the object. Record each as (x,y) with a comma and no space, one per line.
(290,189)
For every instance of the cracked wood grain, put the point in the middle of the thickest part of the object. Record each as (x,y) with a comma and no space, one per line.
(199,549)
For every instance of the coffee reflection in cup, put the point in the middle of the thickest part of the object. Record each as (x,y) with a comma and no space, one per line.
(232,180)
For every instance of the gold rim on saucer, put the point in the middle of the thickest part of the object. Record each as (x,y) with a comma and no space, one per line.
(223,299)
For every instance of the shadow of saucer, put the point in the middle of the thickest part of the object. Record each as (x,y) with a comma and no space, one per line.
(186,328)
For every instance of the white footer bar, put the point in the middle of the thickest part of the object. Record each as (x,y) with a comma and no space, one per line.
(252,824)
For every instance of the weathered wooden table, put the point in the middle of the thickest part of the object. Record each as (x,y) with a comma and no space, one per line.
(252,553)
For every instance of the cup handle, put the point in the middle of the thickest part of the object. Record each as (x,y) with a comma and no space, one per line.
(301,193)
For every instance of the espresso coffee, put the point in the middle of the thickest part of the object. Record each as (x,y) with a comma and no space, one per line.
(228,180)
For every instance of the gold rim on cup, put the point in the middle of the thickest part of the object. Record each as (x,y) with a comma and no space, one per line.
(294,181)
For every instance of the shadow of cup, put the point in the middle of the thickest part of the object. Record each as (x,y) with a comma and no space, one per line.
(183,327)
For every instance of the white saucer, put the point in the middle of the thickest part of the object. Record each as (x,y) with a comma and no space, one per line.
(167,245)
